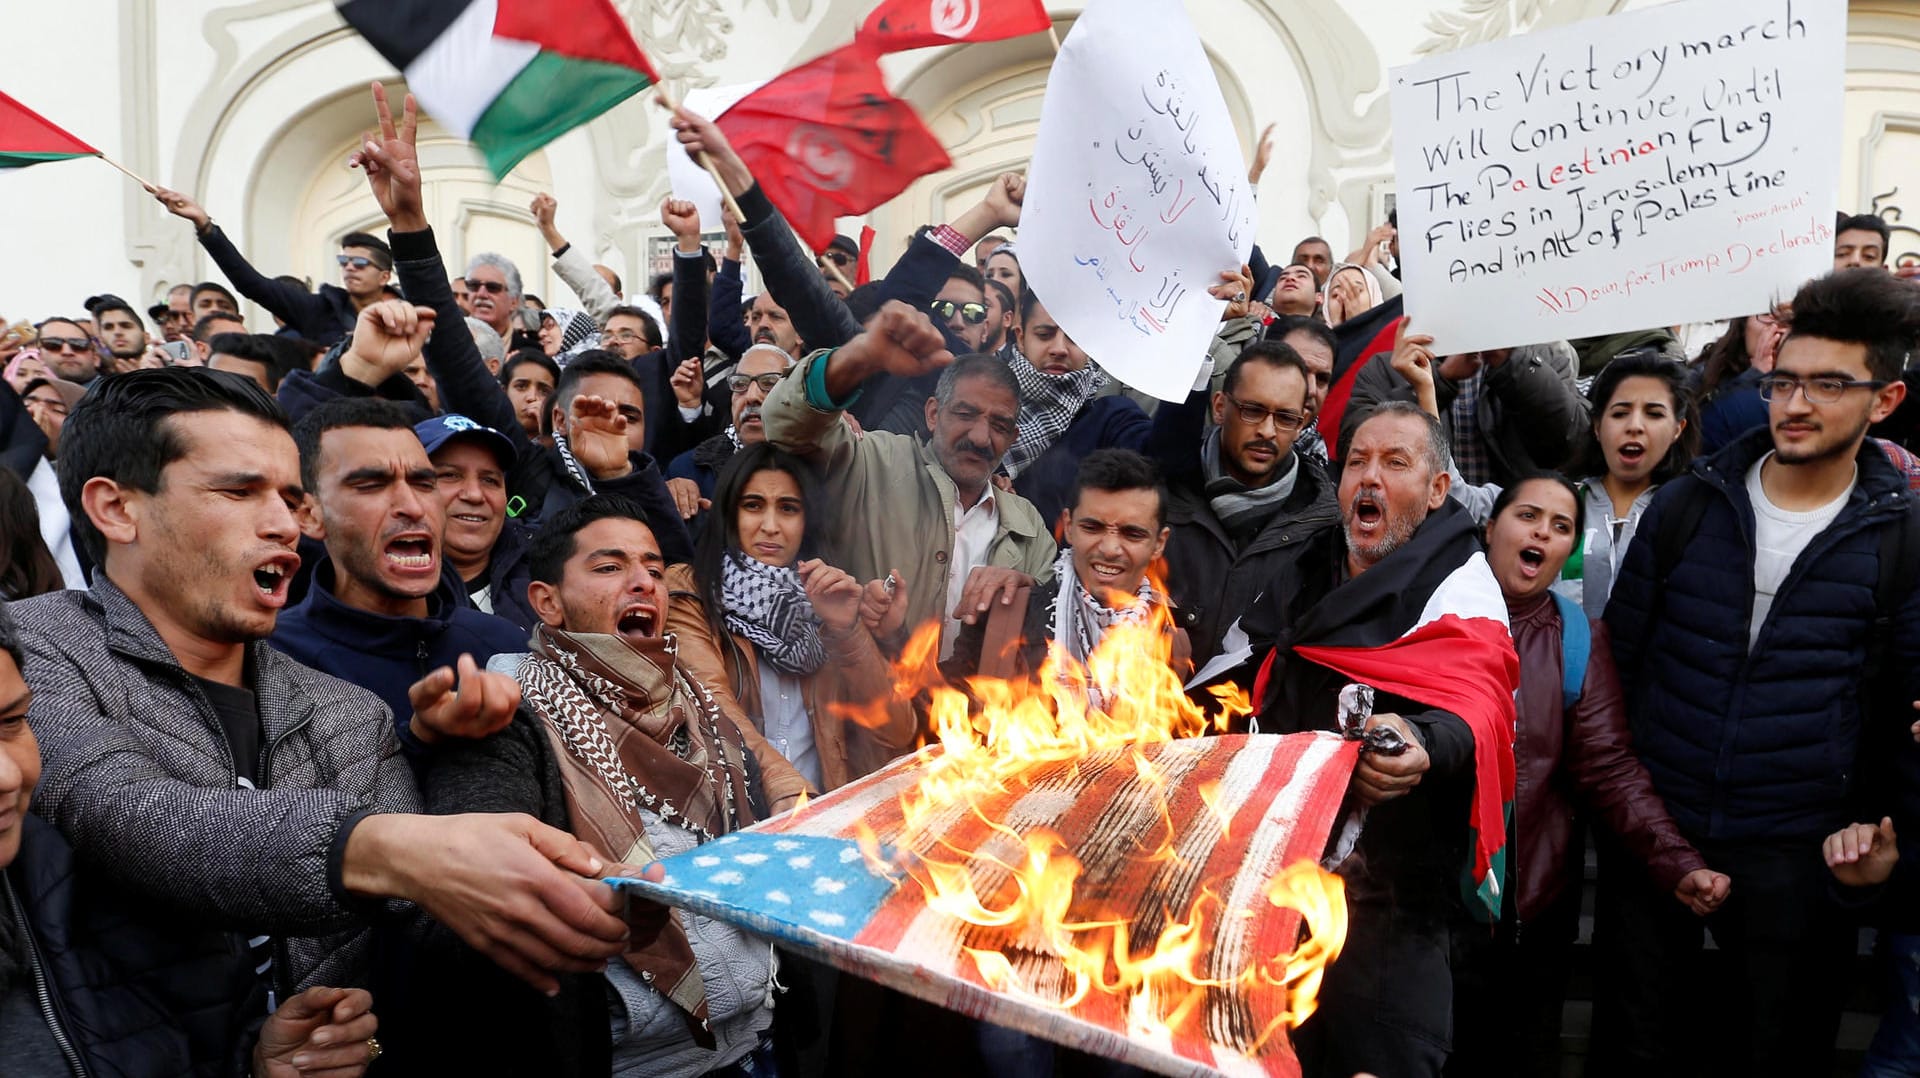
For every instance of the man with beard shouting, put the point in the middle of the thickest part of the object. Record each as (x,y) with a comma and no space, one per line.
(1391,629)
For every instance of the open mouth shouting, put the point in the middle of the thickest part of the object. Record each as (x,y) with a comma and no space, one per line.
(411,555)
(1368,514)
(1532,559)
(638,621)
(273,577)
(1631,454)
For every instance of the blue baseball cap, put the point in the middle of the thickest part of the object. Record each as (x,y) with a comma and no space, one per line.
(442,429)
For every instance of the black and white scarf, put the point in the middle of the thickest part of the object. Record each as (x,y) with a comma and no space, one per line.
(1242,510)
(1048,403)
(1080,619)
(768,605)
(573,467)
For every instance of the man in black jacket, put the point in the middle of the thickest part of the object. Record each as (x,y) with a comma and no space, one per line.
(1760,592)
(1343,599)
(382,613)
(1238,505)
(325,316)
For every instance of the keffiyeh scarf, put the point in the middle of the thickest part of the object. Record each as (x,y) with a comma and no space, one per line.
(767,605)
(1048,403)
(1081,620)
(632,733)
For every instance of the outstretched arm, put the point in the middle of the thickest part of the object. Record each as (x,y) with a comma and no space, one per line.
(393,172)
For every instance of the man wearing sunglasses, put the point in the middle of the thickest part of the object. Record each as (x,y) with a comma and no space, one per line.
(68,349)
(962,307)
(1766,628)
(325,315)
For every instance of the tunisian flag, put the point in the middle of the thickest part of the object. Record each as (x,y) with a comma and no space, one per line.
(899,25)
(827,140)
(1428,623)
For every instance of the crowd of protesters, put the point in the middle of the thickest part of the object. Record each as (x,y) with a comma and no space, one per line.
(340,664)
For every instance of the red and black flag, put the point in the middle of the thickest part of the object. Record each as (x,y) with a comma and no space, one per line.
(827,140)
(1357,340)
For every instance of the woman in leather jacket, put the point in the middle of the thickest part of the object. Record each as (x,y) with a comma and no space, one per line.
(1574,764)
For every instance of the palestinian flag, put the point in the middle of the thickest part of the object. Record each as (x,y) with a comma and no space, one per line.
(510,75)
(1428,624)
(28,138)
(1356,340)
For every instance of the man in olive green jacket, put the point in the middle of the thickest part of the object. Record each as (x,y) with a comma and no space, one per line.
(926,510)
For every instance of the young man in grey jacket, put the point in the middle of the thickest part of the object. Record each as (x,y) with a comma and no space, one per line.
(231,800)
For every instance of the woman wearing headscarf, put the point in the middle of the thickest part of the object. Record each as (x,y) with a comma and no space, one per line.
(565,333)
(1351,291)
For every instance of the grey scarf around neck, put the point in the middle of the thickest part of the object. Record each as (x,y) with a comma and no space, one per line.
(1243,510)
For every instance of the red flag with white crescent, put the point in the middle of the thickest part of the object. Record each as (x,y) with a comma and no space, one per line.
(898,25)
(827,140)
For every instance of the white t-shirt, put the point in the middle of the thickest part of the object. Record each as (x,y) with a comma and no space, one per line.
(1779,537)
(972,538)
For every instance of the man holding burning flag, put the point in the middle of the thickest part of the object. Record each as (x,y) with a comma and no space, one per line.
(1399,600)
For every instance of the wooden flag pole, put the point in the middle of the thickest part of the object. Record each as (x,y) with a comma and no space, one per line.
(130,174)
(701,159)
(1054,36)
(827,264)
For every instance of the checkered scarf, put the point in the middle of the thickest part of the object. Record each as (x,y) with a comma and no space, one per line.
(1470,454)
(1048,403)
(767,605)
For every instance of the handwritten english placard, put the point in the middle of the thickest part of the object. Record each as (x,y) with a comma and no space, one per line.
(1137,195)
(1670,165)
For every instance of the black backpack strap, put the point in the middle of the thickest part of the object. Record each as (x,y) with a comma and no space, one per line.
(1899,563)
(1677,529)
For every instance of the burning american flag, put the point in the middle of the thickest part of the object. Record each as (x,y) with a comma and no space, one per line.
(1109,880)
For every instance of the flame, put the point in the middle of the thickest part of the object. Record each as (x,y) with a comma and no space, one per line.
(1024,887)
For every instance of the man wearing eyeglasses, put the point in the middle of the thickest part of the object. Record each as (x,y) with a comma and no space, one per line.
(325,315)
(1245,501)
(1767,634)
(759,370)
(172,316)
(68,349)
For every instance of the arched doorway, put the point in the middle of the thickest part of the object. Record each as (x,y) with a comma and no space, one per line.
(305,198)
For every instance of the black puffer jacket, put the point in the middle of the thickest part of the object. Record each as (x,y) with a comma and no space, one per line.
(1762,741)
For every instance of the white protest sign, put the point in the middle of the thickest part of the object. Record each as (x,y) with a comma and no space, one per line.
(1137,195)
(689,181)
(1670,165)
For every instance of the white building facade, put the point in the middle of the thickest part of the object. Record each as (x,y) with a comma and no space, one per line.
(253,107)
